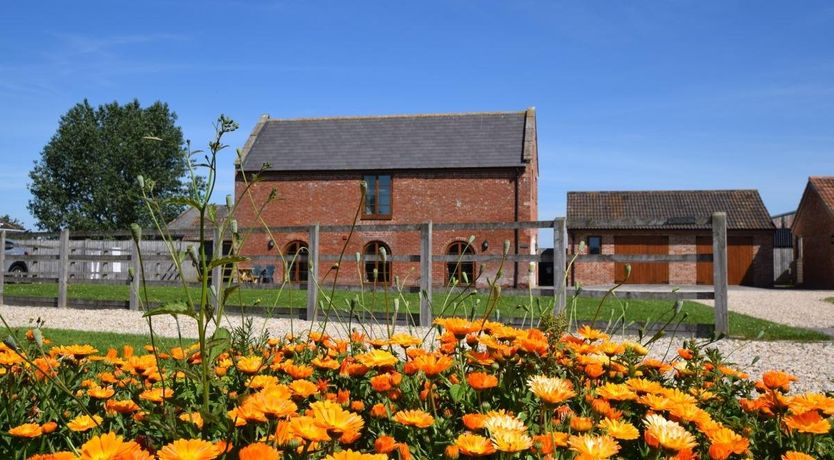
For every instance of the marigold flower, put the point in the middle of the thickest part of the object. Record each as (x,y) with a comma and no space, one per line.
(193,417)
(500,420)
(581,424)
(794,455)
(616,392)
(384,444)
(473,445)
(101,392)
(125,406)
(458,327)
(26,430)
(111,446)
(259,451)
(510,440)
(156,394)
(432,364)
(404,340)
(49,427)
(593,447)
(46,367)
(809,422)
(75,351)
(667,434)
(334,418)
(546,443)
(726,442)
(418,418)
(303,388)
(777,380)
(84,422)
(189,449)
(54,456)
(296,371)
(619,430)
(481,381)
(377,358)
(552,390)
(351,455)
(592,334)
(800,404)
(474,422)
(250,364)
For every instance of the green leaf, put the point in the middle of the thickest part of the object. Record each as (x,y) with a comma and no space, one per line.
(184,201)
(173,308)
(218,342)
(227,261)
(458,392)
(38,336)
(229,291)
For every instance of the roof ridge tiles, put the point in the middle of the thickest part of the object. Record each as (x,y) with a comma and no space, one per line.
(415,115)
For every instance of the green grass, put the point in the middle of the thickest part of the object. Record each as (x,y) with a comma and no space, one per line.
(508,306)
(830,299)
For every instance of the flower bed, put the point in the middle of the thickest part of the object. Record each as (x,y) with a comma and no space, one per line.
(481,390)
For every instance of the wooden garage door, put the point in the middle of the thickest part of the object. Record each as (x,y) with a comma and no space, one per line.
(739,260)
(641,272)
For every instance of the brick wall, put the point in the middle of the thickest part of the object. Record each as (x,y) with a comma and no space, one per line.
(417,197)
(816,228)
(680,242)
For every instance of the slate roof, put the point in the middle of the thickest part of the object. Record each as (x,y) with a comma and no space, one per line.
(469,140)
(187,224)
(678,209)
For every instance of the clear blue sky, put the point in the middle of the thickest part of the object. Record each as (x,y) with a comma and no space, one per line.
(630,95)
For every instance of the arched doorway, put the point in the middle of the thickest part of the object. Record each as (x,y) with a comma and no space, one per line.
(296,268)
(455,270)
(383,269)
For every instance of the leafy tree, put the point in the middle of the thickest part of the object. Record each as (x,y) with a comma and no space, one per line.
(86,177)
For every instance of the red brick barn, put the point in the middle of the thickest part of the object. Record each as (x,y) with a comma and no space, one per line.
(444,168)
(813,230)
(670,222)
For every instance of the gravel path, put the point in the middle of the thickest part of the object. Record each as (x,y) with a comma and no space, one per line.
(812,362)
(794,307)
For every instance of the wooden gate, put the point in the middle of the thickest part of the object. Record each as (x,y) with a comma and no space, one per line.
(642,272)
(739,260)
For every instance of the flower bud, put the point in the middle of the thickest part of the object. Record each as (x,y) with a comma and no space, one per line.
(136,231)
(506,247)
(141,181)
(229,202)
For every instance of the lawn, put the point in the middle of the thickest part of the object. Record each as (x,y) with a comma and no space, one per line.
(451,304)
(100,340)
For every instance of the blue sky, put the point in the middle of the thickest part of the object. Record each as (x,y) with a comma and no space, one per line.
(630,95)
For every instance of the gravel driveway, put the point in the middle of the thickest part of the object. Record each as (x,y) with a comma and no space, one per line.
(794,307)
(812,362)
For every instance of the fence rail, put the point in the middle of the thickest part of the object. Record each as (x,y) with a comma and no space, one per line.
(68,261)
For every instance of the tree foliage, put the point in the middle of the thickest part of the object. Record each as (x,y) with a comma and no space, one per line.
(86,177)
(9,220)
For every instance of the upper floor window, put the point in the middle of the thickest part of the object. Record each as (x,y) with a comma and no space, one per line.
(378,198)
(594,245)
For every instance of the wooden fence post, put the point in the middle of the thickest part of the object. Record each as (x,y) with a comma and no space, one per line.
(313,274)
(560,286)
(136,282)
(719,264)
(425,274)
(217,272)
(2,263)
(63,268)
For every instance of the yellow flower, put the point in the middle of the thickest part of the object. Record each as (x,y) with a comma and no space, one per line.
(303,388)
(473,445)
(510,440)
(667,434)
(111,446)
(84,422)
(432,363)
(593,447)
(259,451)
(156,394)
(309,429)
(377,358)
(189,449)
(417,418)
(809,422)
(250,364)
(27,430)
(101,392)
(616,392)
(499,420)
(193,417)
(619,430)
(552,390)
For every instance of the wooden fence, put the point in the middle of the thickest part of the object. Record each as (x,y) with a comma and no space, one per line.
(67,254)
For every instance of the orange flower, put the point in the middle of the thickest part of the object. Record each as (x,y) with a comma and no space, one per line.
(189,449)
(259,451)
(49,427)
(54,456)
(510,440)
(552,390)
(27,430)
(101,392)
(377,358)
(547,442)
(156,394)
(74,351)
(193,417)
(667,434)
(616,392)
(777,380)
(121,406)
(592,334)
(250,364)
(111,446)
(593,447)
(809,422)
(793,455)
(84,422)
(481,381)
(474,421)
(619,430)
(418,418)
(581,424)
(46,367)
(385,444)
(458,327)
(351,455)
(309,429)
(473,445)
(432,364)
(334,418)
(297,372)
(303,388)
(726,442)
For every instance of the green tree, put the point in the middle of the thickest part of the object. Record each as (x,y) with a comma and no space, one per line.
(86,177)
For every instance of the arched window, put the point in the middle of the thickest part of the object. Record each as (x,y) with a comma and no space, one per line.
(296,268)
(383,269)
(456,269)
